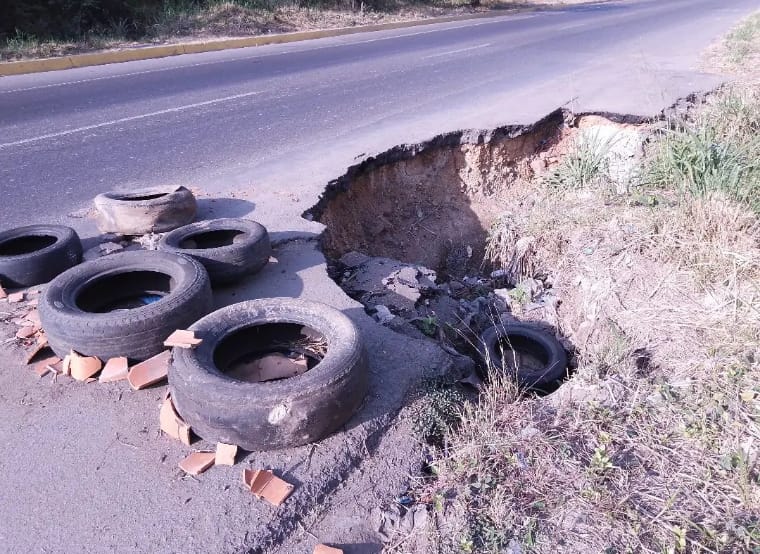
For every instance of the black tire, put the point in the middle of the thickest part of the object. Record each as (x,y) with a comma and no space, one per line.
(525,340)
(150,210)
(227,258)
(35,254)
(77,308)
(273,414)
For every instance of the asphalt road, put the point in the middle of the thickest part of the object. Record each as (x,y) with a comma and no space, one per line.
(284,118)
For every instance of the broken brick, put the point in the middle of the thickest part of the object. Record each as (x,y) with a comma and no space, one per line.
(269,368)
(44,367)
(15,297)
(151,371)
(172,424)
(265,484)
(182,339)
(324,549)
(33,317)
(83,367)
(26,332)
(197,462)
(40,345)
(3,294)
(115,369)
(66,365)
(225,454)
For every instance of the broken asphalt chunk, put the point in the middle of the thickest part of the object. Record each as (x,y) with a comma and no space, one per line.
(115,369)
(83,367)
(197,462)
(182,339)
(265,484)
(151,371)
(172,424)
(225,454)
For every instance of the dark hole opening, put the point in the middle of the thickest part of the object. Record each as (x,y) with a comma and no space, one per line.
(210,239)
(522,354)
(270,352)
(25,245)
(144,197)
(124,291)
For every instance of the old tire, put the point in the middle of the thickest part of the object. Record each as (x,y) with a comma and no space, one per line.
(229,249)
(273,414)
(496,342)
(150,210)
(77,309)
(36,253)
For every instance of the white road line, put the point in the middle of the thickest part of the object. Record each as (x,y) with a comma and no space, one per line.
(258,56)
(456,51)
(127,119)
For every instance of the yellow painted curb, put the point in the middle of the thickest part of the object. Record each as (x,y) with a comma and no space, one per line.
(150,52)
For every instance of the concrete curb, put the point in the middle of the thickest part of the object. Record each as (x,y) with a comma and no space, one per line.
(150,52)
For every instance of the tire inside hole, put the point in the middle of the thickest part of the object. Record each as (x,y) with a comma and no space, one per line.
(210,239)
(521,354)
(144,197)
(26,245)
(123,291)
(270,352)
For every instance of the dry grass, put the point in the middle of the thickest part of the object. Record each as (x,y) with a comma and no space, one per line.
(652,445)
(739,52)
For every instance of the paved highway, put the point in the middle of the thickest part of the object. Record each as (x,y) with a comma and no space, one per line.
(282,119)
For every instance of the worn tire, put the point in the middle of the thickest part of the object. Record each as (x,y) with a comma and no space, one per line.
(36,253)
(242,255)
(274,414)
(136,333)
(527,339)
(150,210)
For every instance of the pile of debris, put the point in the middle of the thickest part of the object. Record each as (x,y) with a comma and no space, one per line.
(413,300)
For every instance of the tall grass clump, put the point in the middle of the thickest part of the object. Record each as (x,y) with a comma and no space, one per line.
(718,151)
(585,165)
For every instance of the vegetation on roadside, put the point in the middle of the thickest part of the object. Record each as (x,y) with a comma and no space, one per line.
(38,28)
(715,152)
(654,444)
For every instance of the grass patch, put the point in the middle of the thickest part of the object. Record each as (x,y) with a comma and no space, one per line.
(743,43)
(716,152)
(585,165)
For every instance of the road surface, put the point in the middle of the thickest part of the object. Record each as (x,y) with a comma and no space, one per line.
(283,119)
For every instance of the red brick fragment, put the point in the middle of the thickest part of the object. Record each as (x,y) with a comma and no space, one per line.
(324,549)
(197,462)
(115,369)
(83,367)
(151,371)
(265,484)
(172,424)
(182,339)
(225,454)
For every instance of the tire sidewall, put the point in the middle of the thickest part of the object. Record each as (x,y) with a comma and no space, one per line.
(40,266)
(556,365)
(274,414)
(229,263)
(135,333)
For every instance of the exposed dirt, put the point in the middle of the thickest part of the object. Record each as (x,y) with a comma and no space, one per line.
(434,203)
